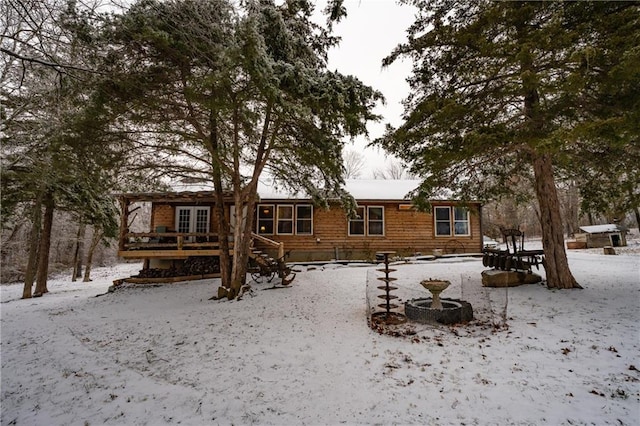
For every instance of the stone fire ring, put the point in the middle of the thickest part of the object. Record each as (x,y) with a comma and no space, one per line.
(453,311)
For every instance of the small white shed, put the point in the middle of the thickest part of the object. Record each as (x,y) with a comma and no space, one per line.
(603,235)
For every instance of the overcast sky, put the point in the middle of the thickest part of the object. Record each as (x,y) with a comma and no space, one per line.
(371,30)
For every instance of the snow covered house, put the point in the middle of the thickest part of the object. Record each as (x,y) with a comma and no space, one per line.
(596,236)
(182,225)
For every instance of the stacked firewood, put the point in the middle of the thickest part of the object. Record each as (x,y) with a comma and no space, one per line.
(191,266)
(157,273)
(201,266)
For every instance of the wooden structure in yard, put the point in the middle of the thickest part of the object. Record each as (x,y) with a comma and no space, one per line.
(182,226)
(597,236)
(183,239)
(515,257)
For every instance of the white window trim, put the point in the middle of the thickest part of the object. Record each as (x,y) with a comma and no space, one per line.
(192,218)
(452,222)
(292,220)
(436,221)
(362,219)
(468,221)
(296,218)
(369,221)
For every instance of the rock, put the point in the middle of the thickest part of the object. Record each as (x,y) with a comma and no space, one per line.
(576,245)
(222,292)
(497,278)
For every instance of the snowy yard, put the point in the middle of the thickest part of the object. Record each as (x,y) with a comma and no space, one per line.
(304,355)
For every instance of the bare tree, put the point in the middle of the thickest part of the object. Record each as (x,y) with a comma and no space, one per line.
(394,170)
(54,154)
(569,198)
(98,236)
(78,252)
(353,164)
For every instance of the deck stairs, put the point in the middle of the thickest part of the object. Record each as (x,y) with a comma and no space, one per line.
(265,266)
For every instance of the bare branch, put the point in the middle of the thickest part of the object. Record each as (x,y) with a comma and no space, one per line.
(57,67)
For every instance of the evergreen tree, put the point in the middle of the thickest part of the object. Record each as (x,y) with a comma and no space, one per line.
(56,152)
(229,91)
(504,89)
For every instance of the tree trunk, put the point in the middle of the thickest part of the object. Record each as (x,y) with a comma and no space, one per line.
(78,253)
(223,236)
(95,240)
(234,270)
(242,246)
(246,196)
(45,244)
(240,243)
(636,211)
(556,265)
(571,209)
(32,263)
(219,208)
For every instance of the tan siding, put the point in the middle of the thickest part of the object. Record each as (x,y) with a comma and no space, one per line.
(406,231)
(162,215)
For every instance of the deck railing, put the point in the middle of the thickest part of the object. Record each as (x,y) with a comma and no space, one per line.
(270,242)
(170,240)
(182,244)
(168,245)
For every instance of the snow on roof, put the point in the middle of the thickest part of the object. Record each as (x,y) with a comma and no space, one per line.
(597,229)
(371,189)
(268,191)
(192,187)
(360,189)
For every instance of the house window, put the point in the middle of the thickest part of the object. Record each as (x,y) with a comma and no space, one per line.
(356,224)
(375,216)
(304,219)
(461,221)
(369,221)
(190,219)
(265,219)
(445,223)
(285,220)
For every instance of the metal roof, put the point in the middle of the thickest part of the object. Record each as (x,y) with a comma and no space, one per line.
(360,189)
(186,196)
(599,229)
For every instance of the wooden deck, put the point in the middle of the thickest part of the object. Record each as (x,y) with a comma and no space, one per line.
(167,254)
(173,245)
(168,245)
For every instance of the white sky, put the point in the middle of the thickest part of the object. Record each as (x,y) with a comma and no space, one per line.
(371,30)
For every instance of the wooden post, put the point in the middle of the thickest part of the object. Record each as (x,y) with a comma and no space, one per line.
(124,221)
(180,241)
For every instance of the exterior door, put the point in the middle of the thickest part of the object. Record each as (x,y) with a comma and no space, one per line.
(191,219)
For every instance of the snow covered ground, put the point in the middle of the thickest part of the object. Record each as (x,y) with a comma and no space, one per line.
(151,355)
